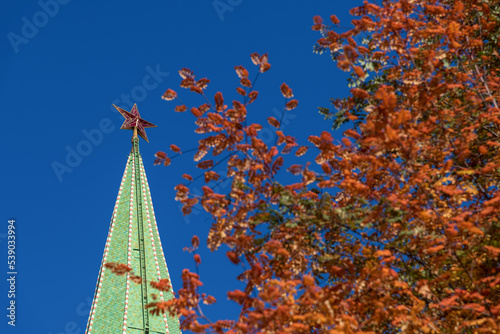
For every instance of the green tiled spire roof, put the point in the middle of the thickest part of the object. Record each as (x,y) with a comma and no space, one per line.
(119,304)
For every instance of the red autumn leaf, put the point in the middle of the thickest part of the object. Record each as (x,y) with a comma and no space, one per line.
(196,89)
(237,295)
(204,108)
(187,83)
(255,58)
(175,148)
(186,73)
(211,175)
(359,71)
(197,259)
(205,164)
(209,300)
(274,122)
(308,280)
(286,91)
(160,155)
(382,252)
(241,91)
(359,93)
(295,169)
(219,101)
(241,71)
(301,151)
(195,241)
(245,82)
(169,95)
(292,104)
(203,83)
(233,257)
(187,177)
(196,112)
(181,108)
(326,168)
(264,67)
(494,251)
(253,95)
(434,249)
(346,141)
(318,23)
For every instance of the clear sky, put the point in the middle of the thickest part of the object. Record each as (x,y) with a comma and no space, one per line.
(63,63)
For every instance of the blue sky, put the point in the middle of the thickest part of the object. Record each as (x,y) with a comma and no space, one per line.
(63,63)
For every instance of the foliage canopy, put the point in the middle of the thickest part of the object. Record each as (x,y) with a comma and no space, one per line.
(393,229)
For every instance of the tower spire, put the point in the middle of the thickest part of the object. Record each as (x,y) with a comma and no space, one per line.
(120,304)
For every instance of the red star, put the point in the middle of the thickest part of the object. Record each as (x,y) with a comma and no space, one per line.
(134,120)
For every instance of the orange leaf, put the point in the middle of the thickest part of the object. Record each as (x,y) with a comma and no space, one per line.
(219,101)
(317,19)
(391,134)
(169,95)
(295,169)
(237,295)
(494,251)
(274,122)
(265,67)
(318,23)
(359,93)
(292,104)
(286,91)
(196,89)
(434,249)
(233,257)
(382,252)
(181,108)
(203,83)
(359,71)
(253,95)
(205,164)
(301,151)
(186,73)
(211,175)
(195,241)
(326,168)
(241,71)
(308,280)
(346,142)
(175,148)
(241,91)
(255,58)
(245,82)
(196,112)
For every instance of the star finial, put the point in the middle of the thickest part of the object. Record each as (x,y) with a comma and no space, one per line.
(133,121)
